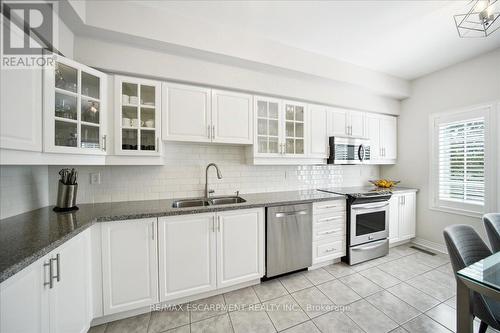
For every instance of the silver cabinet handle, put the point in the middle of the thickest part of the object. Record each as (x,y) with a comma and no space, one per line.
(208,132)
(58,266)
(213,132)
(213,224)
(369,207)
(295,213)
(153,230)
(104,143)
(51,273)
(157,144)
(330,250)
(331,219)
(328,207)
(330,232)
(218,223)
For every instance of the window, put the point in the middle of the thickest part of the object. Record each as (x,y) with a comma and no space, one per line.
(460,161)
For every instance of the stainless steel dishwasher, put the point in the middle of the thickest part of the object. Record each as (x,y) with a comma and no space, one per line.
(288,238)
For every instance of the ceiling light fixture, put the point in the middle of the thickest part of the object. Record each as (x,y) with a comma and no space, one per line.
(481,20)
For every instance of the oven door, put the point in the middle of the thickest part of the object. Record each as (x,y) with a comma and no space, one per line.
(369,222)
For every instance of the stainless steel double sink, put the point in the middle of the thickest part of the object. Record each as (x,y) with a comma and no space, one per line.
(199,202)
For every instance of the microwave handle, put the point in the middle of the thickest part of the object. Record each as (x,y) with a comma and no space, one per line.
(361,153)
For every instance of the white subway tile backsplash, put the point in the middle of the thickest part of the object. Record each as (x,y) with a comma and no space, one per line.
(184,176)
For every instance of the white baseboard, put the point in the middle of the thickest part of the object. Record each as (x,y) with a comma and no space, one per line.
(430,245)
(161,305)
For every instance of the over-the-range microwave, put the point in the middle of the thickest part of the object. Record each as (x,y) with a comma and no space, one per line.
(348,150)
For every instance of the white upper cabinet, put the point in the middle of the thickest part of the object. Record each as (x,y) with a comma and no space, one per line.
(318,135)
(21,104)
(389,137)
(187,255)
(232,117)
(129,265)
(280,128)
(343,122)
(75,109)
(268,129)
(382,132)
(186,113)
(137,116)
(240,246)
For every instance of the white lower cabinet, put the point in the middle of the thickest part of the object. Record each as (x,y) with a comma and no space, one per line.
(51,295)
(402,216)
(204,252)
(187,255)
(240,246)
(329,230)
(129,265)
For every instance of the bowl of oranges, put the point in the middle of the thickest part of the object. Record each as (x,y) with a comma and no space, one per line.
(385,183)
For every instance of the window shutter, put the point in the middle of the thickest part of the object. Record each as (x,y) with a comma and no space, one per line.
(461,161)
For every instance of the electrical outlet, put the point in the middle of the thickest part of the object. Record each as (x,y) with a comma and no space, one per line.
(95,178)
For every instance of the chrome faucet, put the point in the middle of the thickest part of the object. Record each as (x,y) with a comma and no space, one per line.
(219,176)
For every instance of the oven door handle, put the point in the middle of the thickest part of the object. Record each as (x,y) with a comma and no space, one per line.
(369,207)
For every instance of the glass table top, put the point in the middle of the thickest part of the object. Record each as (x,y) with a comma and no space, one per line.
(485,272)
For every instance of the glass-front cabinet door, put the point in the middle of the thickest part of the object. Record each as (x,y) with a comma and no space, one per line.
(294,128)
(74,108)
(137,113)
(268,140)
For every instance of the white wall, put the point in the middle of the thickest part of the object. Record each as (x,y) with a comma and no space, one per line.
(22,188)
(472,82)
(184,176)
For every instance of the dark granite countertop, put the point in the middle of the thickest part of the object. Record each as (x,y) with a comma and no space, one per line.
(27,237)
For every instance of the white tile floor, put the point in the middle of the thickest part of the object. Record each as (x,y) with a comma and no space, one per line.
(406,291)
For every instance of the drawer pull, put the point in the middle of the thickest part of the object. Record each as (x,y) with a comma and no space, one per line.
(330,250)
(331,219)
(328,207)
(330,232)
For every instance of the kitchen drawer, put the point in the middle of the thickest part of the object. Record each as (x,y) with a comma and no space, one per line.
(320,220)
(330,231)
(326,207)
(328,249)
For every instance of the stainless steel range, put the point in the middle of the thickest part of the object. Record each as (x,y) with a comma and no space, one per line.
(367,222)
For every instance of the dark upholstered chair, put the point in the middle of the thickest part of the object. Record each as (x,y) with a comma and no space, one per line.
(492,226)
(465,247)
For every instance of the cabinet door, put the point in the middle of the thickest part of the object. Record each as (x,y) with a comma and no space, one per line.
(357,123)
(373,133)
(74,108)
(318,136)
(24,301)
(268,129)
(388,135)
(394,212)
(232,117)
(187,260)
(70,298)
(408,216)
(186,113)
(337,122)
(240,246)
(20,104)
(129,265)
(294,128)
(137,116)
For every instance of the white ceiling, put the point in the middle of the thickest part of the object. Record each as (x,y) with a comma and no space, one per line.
(406,39)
